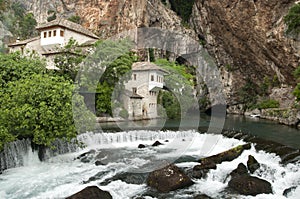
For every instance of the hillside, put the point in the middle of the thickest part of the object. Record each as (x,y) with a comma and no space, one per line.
(246,38)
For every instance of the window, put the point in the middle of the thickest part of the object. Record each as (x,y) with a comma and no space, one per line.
(49,33)
(134,90)
(152,93)
(152,78)
(54,33)
(134,76)
(45,34)
(61,33)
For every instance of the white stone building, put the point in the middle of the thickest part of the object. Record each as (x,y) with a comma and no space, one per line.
(140,98)
(53,36)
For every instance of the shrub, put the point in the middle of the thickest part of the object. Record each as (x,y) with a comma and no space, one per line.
(268,104)
(292,20)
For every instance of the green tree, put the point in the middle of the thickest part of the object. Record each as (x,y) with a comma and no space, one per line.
(39,107)
(170,103)
(248,94)
(180,84)
(111,83)
(296,91)
(14,66)
(292,20)
(27,26)
(69,59)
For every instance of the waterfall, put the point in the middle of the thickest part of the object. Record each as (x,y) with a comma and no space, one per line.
(14,154)
(23,153)
(91,138)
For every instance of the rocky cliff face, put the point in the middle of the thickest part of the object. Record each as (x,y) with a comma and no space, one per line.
(247,39)
(108,18)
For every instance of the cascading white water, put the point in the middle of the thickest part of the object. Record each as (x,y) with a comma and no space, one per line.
(21,153)
(64,175)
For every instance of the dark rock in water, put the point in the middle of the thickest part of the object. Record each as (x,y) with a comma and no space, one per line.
(86,154)
(249,185)
(86,159)
(202,196)
(200,171)
(168,179)
(130,178)
(99,163)
(239,171)
(98,176)
(166,140)
(252,164)
(141,146)
(92,192)
(291,158)
(288,192)
(205,165)
(186,158)
(228,155)
(157,143)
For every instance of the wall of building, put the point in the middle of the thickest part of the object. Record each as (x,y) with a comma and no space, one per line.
(52,36)
(77,36)
(145,88)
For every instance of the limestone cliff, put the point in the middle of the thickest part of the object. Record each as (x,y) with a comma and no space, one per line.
(247,39)
(109,17)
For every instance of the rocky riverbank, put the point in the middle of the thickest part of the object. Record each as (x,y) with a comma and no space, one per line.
(243,180)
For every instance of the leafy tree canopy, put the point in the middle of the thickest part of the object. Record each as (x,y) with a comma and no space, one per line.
(180,83)
(14,66)
(38,105)
(68,61)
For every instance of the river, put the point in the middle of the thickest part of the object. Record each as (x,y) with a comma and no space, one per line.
(63,175)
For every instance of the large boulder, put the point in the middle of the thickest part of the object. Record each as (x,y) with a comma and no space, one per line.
(241,170)
(252,164)
(249,185)
(228,155)
(200,171)
(168,179)
(92,192)
(130,178)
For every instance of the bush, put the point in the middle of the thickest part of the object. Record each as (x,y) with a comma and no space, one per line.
(292,20)
(75,19)
(38,107)
(5,137)
(183,8)
(268,104)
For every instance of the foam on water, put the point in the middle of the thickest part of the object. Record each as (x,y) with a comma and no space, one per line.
(62,176)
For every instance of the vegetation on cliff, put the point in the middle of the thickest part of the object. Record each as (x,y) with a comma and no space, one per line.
(13,15)
(292,20)
(297,88)
(182,8)
(179,83)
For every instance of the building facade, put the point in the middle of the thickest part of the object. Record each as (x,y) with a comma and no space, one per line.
(141,91)
(53,36)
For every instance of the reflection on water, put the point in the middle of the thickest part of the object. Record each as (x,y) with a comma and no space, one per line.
(263,128)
